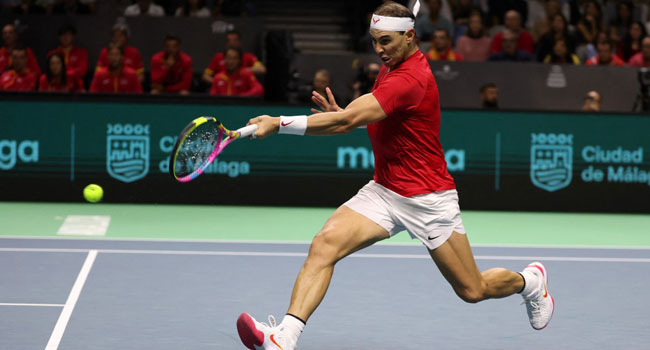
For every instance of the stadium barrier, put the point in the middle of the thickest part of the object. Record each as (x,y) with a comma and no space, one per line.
(49,150)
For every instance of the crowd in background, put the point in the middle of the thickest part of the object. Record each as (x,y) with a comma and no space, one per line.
(574,32)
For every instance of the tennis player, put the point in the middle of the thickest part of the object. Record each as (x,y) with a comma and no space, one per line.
(411,189)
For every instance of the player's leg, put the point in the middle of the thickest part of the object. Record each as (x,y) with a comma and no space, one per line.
(345,232)
(456,262)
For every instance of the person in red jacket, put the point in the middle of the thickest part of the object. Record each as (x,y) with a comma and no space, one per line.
(74,57)
(132,58)
(10,39)
(171,69)
(441,47)
(19,77)
(57,78)
(235,80)
(605,56)
(218,62)
(116,78)
(512,23)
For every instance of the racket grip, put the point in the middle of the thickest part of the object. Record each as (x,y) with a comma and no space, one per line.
(247,131)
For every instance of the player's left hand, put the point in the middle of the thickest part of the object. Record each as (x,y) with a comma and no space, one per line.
(326,104)
(266,125)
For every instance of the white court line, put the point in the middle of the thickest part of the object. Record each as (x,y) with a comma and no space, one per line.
(397,244)
(62,323)
(356,255)
(25,304)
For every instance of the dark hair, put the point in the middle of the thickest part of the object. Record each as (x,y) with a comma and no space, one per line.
(393,9)
(487,86)
(233,31)
(443,30)
(567,56)
(48,72)
(599,19)
(170,37)
(67,28)
(186,7)
(626,45)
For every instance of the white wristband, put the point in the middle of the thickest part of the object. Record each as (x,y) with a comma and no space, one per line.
(296,125)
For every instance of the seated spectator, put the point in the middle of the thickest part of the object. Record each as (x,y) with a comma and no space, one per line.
(489,96)
(642,59)
(171,69)
(365,80)
(193,8)
(57,78)
(620,25)
(116,77)
(235,80)
(10,39)
(28,7)
(559,30)
(144,8)
(631,44)
(509,50)
(75,58)
(542,26)
(19,77)
(513,24)
(132,58)
(425,25)
(319,84)
(218,63)
(593,102)
(591,23)
(605,56)
(561,54)
(474,46)
(441,48)
(71,7)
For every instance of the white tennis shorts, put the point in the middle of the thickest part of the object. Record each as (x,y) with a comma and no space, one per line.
(430,217)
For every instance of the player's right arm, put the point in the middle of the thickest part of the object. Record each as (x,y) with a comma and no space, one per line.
(362,111)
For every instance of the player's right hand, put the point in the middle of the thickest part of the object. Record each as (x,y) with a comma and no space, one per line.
(266,125)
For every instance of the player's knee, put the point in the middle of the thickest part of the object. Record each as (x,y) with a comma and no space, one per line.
(322,250)
(472,294)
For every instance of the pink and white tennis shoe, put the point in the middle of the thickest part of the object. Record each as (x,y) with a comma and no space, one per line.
(539,304)
(261,336)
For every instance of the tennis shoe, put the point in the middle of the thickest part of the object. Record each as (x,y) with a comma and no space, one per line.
(539,303)
(262,336)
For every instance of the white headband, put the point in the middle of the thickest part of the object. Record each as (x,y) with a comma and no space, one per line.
(397,24)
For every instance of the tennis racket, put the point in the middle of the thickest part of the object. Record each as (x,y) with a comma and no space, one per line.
(199,144)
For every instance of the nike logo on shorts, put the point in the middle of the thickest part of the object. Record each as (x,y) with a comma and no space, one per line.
(432,238)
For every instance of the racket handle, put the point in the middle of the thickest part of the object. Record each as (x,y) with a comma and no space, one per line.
(247,131)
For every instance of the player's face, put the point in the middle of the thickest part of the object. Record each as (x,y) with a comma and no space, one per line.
(56,66)
(392,47)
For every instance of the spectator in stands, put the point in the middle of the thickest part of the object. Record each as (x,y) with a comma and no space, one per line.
(218,62)
(618,28)
(365,80)
(10,39)
(144,8)
(28,7)
(19,77)
(642,59)
(425,25)
(513,24)
(509,51)
(171,69)
(474,46)
(74,57)
(543,25)
(57,78)
(631,43)
(462,10)
(561,54)
(498,9)
(592,102)
(193,8)
(591,23)
(559,30)
(132,58)
(322,80)
(489,96)
(116,77)
(441,47)
(606,56)
(71,7)
(235,80)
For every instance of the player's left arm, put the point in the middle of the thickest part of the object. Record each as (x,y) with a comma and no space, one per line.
(362,111)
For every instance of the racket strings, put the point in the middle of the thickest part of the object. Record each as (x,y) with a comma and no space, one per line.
(197,148)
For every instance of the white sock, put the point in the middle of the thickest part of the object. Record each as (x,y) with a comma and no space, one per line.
(292,327)
(532,284)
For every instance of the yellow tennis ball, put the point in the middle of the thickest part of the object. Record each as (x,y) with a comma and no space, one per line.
(93,193)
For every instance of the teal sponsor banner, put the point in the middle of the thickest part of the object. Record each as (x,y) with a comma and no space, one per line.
(500,160)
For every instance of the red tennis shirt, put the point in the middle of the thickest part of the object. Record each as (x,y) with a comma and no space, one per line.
(408,155)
